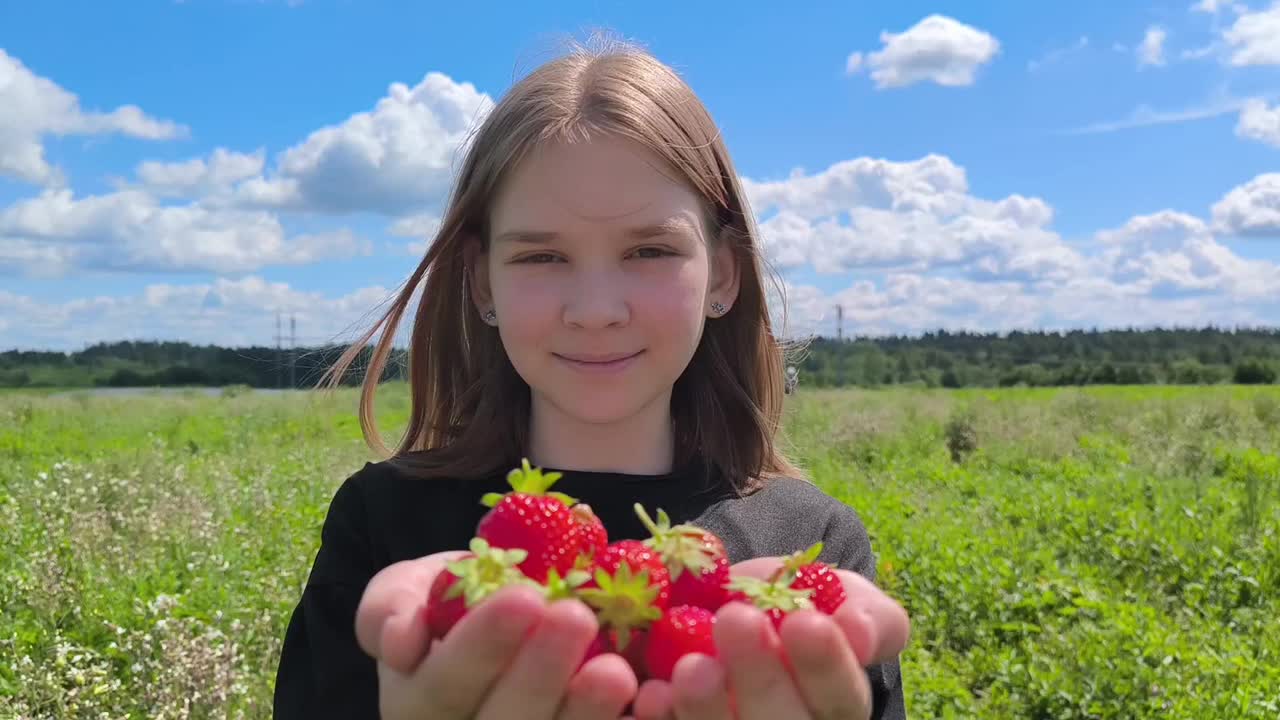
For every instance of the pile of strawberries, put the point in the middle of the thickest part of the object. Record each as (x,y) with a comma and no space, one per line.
(655,599)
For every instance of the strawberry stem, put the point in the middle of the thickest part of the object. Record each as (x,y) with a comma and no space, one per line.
(528,480)
(623,601)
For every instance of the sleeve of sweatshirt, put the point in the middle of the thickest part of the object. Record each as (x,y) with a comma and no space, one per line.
(323,672)
(851,547)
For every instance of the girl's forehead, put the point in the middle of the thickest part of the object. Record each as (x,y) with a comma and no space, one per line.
(606,181)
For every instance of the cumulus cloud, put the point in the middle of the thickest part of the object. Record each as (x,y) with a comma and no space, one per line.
(198,177)
(937,49)
(36,107)
(1254,37)
(1258,122)
(878,213)
(397,158)
(1251,209)
(1170,254)
(130,230)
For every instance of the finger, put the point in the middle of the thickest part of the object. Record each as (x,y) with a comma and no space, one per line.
(535,683)
(654,701)
(875,624)
(398,589)
(824,667)
(600,690)
(700,689)
(761,567)
(404,641)
(752,656)
(460,670)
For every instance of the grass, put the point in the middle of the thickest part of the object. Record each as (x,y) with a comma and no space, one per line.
(1099,553)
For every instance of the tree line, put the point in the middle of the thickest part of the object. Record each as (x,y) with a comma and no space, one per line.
(942,358)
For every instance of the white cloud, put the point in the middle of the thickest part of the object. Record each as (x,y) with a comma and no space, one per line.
(130,231)
(1151,51)
(1145,116)
(877,213)
(35,107)
(422,227)
(226,312)
(198,177)
(937,49)
(1170,253)
(1258,122)
(911,303)
(1251,209)
(397,158)
(1255,37)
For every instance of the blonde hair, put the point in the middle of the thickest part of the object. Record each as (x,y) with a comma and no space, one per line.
(469,406)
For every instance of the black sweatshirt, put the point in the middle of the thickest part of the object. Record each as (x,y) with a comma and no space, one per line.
(380,515)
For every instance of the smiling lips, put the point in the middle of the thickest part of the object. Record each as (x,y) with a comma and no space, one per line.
(609,362)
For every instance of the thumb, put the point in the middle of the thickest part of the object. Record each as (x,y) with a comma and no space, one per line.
(389,627)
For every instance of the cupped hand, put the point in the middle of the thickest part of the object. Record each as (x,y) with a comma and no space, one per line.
(813,668)
(514,655)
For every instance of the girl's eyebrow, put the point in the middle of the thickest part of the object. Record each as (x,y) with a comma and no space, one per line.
(676,224)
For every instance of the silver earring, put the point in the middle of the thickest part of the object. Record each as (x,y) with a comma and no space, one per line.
(718,309)
(490,316)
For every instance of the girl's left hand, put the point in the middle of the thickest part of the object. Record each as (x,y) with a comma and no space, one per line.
(813,668)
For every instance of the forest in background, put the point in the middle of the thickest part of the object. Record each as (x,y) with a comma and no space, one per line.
(1150,356)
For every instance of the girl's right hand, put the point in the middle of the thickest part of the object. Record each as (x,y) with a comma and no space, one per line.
(513,655)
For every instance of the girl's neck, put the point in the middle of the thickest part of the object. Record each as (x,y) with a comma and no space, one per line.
(643,444)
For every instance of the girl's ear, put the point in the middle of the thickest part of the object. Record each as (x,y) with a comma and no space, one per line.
(476,261)
(725,273)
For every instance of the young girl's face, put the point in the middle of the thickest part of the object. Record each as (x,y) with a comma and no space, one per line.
(602,277)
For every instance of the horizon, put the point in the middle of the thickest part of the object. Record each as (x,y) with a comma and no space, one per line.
(184,171)
(849,338)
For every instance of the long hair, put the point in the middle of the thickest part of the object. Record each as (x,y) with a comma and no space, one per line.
(469,406)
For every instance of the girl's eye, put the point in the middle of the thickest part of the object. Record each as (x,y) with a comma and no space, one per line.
(537,258)
(652,252)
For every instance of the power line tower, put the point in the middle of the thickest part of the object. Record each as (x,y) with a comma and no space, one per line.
(279,354)
(839,323)
(293,351)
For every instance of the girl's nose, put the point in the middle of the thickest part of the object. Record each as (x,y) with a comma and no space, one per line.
(597,301)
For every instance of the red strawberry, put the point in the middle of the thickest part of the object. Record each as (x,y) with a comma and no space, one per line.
(592,537)
(695,558)
(800,583)
(631,646)
(599,646)
(467,581)
(532,519)
(828,591)
(774,598)
(629,590)
(681,630)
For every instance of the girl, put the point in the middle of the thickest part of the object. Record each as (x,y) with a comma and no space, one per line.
(594,302)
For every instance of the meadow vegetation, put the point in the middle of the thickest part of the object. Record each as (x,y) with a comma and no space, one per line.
(1106,552)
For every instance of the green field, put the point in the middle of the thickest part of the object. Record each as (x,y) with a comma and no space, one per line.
(1103,553)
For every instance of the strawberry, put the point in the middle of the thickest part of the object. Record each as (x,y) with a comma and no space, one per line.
(592,537)
(681,630)
(469,580)
(828,591)
(694,557)
(532,519)
(801,582)
(629,590)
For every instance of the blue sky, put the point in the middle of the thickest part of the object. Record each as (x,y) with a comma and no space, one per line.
(183,170)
